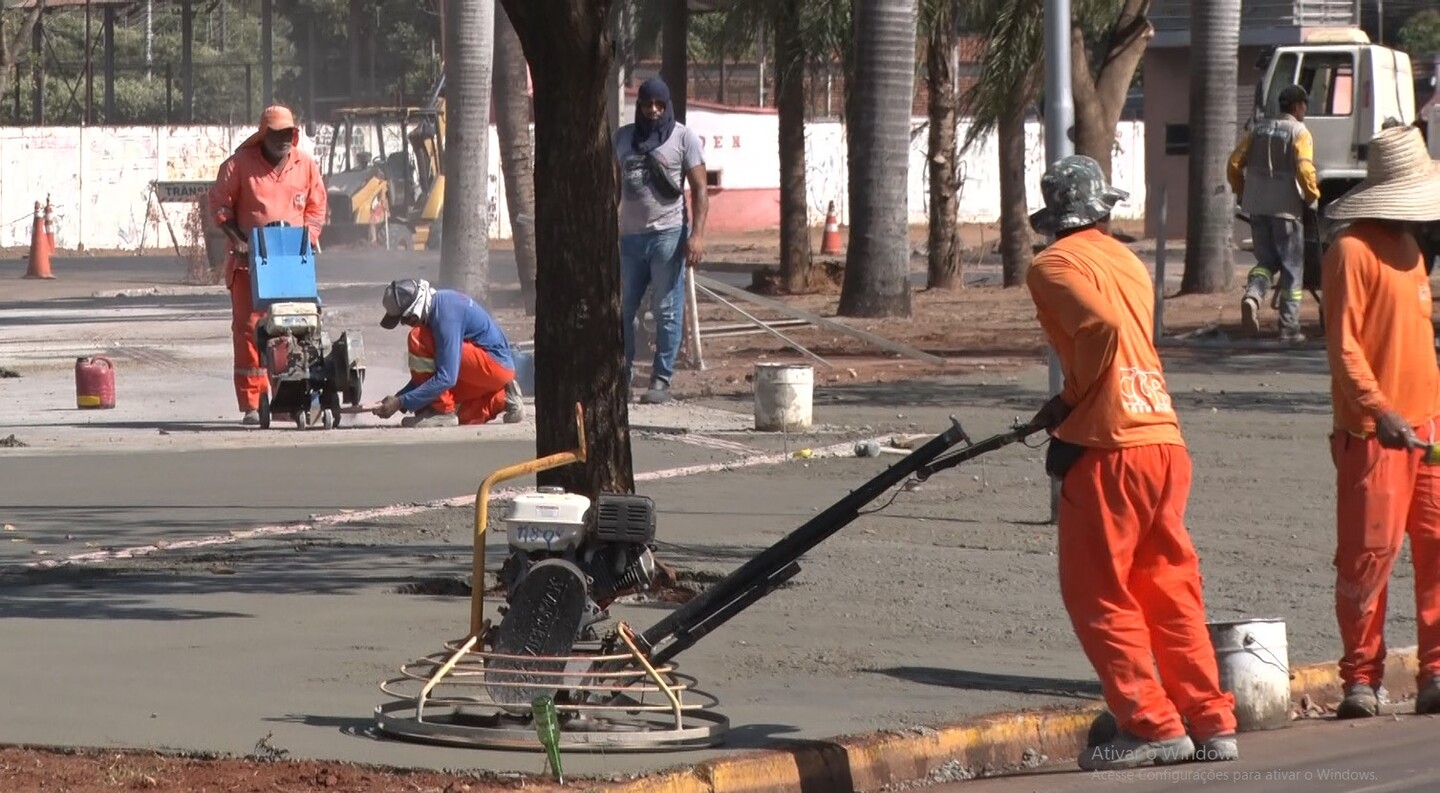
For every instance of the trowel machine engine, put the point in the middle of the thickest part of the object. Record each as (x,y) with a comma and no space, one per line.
(561,544)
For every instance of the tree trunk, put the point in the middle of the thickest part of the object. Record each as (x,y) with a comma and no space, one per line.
(877,262)
(1015,248)
(1100,93)
(943,265)
(517,155)
(579,350)
(1209,250)
(790,101)
(465,239)
(12,47)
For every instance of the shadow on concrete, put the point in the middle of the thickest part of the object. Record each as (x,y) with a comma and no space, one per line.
(987,681)
(158,586)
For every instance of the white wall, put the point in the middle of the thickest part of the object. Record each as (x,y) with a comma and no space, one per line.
(98,178)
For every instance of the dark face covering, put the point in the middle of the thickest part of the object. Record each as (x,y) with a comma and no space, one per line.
(649,134)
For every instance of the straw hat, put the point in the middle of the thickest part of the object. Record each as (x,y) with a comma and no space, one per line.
(1401,182)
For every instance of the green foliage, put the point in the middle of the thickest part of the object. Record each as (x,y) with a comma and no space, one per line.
(1421,34)
(399,44)
(141,93)
(1013,59)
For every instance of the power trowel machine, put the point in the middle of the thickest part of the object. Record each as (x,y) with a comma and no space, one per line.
(308,376)
(570,558)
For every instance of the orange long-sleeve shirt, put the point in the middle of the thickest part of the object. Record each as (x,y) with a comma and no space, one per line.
(253,192)
(1095,301)
(1379,335)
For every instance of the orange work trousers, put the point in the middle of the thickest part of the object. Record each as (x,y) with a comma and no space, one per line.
(250,377)
(1130,581)
(479,390)
(1382,495)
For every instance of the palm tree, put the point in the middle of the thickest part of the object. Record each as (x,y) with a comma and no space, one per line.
(790,51)
(1010,66)
(517,155)
(877,262)
(1209,250)
(940,21)
(469,50)
(579,351)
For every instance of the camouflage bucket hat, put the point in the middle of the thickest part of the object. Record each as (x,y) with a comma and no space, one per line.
(1075,195)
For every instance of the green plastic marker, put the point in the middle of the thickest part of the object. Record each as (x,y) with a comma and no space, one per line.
(547,726)
(1432,454)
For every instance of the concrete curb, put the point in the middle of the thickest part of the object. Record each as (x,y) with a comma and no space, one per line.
(981,746)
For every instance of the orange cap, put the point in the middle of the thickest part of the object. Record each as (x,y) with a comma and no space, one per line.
(276,118)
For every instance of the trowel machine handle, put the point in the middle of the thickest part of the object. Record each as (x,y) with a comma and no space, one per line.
(1019,431)
(766,571)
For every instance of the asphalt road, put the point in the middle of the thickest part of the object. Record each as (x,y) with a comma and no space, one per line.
(1389,754)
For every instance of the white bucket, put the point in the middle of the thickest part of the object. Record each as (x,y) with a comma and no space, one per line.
(782,396)
(1254,665)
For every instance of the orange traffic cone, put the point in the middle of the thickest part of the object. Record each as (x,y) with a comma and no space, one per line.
(49,224)
(830,243)
(39,264)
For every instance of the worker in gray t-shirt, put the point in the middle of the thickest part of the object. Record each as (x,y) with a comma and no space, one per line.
(655,157)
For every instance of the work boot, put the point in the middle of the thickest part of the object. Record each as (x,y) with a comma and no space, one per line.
(1129,751)
(430,418)
(1428,700)
(658,394)
(251,418)
(1360,702)
(1292,336)
(1217,749)
(1250,314)
(514,407)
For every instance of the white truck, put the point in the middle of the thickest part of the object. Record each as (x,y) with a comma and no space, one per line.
(1355,87)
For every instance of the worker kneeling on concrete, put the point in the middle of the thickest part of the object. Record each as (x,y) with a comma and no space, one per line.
(1386,394)
(461,367)
(1129,575)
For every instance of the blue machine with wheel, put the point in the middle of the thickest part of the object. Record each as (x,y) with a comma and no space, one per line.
(309,377)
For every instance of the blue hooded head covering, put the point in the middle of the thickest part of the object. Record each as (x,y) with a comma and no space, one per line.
(648,136)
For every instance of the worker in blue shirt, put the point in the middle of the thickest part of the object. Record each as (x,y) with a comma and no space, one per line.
(461,367)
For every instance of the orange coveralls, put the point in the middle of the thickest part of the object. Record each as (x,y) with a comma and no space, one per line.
(1381,345)
(478,393)
(253,192)
(1129,575)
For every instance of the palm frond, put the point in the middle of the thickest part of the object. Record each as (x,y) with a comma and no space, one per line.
(1009,63)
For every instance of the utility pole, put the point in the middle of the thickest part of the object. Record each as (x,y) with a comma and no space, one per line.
(1059,120)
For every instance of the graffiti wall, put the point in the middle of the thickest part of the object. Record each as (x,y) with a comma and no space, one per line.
(99,179)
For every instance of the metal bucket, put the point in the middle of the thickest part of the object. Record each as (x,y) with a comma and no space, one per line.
(1254,663)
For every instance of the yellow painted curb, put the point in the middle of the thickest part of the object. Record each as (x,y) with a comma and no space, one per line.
(982,745)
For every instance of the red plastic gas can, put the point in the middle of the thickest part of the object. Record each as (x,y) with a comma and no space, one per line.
(94,383)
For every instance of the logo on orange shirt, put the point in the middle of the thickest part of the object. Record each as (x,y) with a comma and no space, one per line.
(300,200)
(1143,391)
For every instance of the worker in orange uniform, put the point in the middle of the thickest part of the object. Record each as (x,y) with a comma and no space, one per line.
(462,370)
(266,180)
(1385,388)
(1129,575)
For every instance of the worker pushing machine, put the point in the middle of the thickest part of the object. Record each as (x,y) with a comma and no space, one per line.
(461,368)
(1129,575)
(266,180)
(1272,170)
(1386,394)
